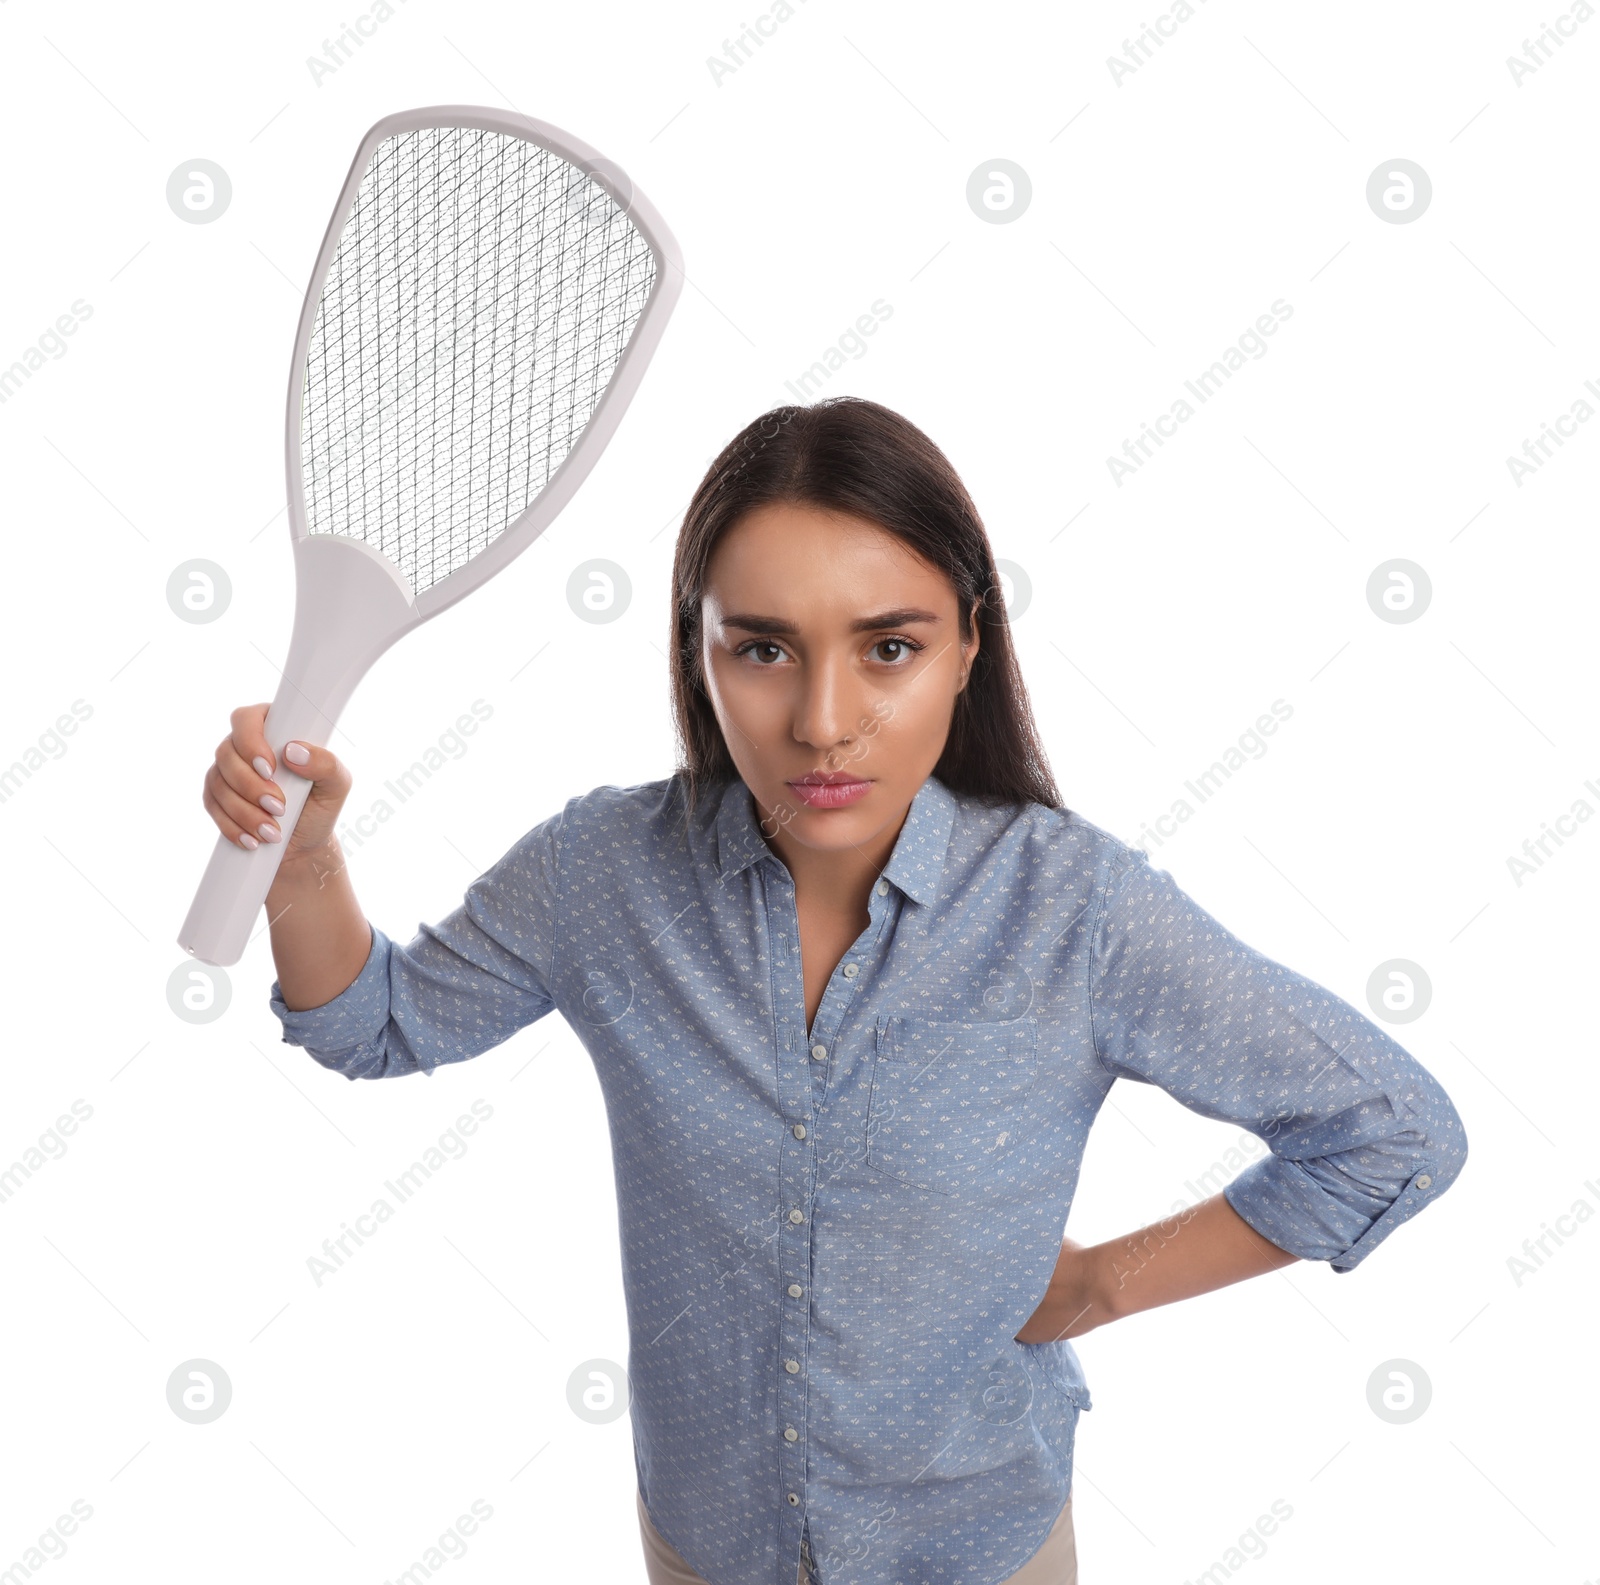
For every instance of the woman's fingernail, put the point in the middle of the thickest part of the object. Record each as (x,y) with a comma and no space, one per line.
(296,753)
(272,805)
(269,832)
(248,841)
(262,768)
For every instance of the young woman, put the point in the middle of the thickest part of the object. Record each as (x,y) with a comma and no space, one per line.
(856,984)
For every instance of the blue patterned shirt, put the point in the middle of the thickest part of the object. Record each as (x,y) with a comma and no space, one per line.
(831,1235)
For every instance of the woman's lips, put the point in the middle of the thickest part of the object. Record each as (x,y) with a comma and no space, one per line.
(829,791)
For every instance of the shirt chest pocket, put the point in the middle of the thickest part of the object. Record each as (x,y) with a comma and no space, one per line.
(950,1101)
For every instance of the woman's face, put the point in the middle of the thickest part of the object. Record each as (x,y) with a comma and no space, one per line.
(831,653)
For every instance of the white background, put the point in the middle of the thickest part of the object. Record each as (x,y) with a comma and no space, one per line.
(1167,613)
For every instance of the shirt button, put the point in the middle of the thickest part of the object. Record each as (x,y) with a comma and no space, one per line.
(794,1501)
(792,1366)
(1424,1181)
(795,1290)
(797,1216)
(790,1434)
(883,888)
(850,971)
(799,1130)
(820,1053)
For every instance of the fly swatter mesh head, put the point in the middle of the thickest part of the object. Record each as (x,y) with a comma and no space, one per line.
(481,294)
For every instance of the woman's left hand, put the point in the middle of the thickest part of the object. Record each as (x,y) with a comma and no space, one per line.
(1071,1305)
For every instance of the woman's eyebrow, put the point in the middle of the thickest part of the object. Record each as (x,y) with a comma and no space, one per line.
(901,616)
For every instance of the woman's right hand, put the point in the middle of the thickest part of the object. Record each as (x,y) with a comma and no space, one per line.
(243,798)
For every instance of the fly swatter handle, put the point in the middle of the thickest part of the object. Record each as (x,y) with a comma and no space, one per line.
(224,914)
(350,605)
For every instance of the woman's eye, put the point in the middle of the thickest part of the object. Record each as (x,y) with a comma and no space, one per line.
(892,651)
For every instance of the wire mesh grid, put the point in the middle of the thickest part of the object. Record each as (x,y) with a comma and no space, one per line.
(481,295)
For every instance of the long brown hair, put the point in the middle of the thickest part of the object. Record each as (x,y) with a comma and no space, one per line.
(846,454)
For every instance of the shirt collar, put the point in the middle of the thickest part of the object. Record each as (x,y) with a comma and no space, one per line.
(916,866)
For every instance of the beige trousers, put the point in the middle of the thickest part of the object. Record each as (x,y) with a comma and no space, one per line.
(1055,1563)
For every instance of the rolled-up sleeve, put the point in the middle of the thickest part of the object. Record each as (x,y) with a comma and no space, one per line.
(1361,1135)
(459,988)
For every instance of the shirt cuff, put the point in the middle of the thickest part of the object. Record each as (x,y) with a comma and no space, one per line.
(1285,1204)
(357,1016)
(1423,1187)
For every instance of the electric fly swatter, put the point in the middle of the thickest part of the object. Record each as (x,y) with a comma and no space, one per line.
(487,296)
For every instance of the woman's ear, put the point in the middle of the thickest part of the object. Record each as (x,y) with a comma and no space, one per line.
(970,646)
